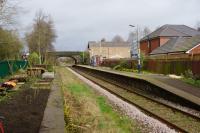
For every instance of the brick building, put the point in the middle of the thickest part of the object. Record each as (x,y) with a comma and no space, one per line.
(169,39)
(179,45)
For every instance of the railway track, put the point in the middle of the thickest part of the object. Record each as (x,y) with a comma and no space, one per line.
(177,119)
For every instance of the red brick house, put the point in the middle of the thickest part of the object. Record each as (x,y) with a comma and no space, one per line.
(179,45)
(194,50)
(169,34)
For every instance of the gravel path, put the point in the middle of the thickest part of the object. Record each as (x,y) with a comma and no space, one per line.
(130,110)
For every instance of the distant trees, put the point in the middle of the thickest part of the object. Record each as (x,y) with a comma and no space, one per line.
(42,37)
(10,45)
(103,40)
(142,32)
(132,36)
(146,31)
(117,39)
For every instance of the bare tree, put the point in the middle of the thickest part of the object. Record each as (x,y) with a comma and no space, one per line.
(132,37)
(42,37)
(198,25)
(103,40)
(8,11)
(146,31)
(117,39)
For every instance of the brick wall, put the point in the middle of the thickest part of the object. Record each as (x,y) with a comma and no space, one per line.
(154,43)
(144,47)
(196,50)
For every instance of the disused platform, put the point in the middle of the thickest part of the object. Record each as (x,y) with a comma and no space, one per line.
(163,86)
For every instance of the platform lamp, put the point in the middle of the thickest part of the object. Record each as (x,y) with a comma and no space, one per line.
(138,48)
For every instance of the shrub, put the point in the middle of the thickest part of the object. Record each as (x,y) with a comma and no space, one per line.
(189,74)
(124,64)
(50,68)
(117,67)
(33,59)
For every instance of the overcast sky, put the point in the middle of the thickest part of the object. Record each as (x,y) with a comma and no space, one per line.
(80,21)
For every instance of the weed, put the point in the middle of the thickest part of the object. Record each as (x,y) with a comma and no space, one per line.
(86,111)
(191,79)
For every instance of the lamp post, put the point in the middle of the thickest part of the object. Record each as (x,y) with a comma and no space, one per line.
(138,48)
(83,60)
(100,53)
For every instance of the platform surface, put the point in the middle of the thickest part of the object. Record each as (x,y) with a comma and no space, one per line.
(172,85)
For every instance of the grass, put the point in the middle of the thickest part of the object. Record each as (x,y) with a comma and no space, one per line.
(191,81)
(107,110)
(1,80)
(132,70)
(7,96)
(188,123)
(87,111)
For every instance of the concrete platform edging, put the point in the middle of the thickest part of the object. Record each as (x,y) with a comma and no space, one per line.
(53,119)
(164,86)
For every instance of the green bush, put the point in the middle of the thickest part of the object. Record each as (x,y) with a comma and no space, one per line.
(117,67)
(123,64)
(189,74)
(50,68)
(192,81)
(33,59)
(1,80)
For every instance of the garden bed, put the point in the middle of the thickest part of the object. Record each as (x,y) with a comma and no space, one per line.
(23,110)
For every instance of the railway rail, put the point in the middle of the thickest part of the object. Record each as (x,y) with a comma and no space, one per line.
(182,121)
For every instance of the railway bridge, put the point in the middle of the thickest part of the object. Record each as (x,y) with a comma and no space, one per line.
(75,55)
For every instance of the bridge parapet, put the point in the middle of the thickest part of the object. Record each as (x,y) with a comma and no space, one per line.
(75,55)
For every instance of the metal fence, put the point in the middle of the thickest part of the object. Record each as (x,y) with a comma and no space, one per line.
(8,67)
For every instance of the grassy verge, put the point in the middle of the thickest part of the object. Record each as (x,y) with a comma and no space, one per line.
(134,71)
(86,111)
(191,81)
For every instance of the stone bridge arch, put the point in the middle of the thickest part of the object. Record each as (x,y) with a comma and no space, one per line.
(75,55)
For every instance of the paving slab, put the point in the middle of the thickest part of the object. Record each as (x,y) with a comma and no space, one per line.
(53,120)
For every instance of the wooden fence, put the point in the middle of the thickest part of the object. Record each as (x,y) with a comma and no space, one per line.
(164,64)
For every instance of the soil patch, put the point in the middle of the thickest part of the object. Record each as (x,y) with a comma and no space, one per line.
(24,111)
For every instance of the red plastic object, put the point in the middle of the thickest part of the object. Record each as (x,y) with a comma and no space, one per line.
(1,128)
